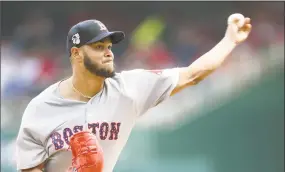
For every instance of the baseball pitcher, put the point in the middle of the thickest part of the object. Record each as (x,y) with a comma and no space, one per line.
(83,122)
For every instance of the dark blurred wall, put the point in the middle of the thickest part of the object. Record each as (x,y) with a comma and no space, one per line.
(13,13)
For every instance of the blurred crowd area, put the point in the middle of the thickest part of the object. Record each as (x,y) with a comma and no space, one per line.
(161,35)
(158,35)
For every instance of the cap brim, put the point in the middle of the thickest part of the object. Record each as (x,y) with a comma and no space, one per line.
(116,37)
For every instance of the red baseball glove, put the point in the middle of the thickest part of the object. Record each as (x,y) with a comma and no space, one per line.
(87,155)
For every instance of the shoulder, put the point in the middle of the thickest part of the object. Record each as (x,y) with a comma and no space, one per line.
(139,72)
(144,76)
(135,76)
(124,77)
(124,83)
(35,106)
(150,73)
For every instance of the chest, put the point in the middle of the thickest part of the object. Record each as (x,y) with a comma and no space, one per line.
(110,118)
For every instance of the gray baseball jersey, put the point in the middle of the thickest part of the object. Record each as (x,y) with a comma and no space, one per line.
(50,120)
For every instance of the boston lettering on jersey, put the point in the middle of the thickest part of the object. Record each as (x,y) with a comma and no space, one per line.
(105,130)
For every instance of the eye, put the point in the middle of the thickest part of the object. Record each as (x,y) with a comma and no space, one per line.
(110,47)
(99,47)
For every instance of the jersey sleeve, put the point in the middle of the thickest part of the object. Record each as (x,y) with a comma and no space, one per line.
(149,87)
(30,151)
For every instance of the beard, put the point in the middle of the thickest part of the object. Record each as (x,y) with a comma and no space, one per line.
(95,69)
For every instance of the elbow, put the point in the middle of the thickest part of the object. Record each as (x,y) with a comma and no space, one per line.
(194,81)
(200,76)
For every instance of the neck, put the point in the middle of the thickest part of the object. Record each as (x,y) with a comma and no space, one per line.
(87,83)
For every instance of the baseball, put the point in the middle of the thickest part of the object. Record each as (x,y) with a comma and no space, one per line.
(236,17)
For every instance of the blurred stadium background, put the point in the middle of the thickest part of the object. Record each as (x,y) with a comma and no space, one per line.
(231,122)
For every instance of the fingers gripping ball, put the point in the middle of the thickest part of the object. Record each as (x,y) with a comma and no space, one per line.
(237,19)
(87,155)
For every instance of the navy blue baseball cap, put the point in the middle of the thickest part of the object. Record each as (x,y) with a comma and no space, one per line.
(90,31)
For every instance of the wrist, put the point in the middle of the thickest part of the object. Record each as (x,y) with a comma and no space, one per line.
(229,42)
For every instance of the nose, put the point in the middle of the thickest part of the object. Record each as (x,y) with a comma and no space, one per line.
(108,53)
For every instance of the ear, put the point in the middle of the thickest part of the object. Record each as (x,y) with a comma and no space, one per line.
(75,53)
